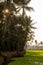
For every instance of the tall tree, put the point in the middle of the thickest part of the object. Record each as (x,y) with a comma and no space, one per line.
(36,42)
(17,30)
(41,43)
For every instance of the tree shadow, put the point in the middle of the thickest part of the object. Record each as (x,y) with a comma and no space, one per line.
(7,61)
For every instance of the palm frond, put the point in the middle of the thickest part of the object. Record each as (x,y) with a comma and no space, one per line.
(33,27)
(27,1)
(18,9)
(31,31)
(20,2)
(33,23)
(29,8)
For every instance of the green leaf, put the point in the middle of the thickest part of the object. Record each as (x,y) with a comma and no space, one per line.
(29,8)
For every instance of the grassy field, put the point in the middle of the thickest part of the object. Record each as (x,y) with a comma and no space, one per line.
(32,57)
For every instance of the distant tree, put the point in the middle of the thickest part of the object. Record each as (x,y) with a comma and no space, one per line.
(41,43)
(36,42)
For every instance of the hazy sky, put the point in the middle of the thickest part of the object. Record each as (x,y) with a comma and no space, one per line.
(37,16)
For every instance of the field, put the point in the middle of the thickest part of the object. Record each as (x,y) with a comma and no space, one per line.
(32,57)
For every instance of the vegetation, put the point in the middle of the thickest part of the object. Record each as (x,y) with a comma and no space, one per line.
(32,57)
(15,30)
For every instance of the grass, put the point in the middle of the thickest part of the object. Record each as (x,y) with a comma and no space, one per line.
(32,57)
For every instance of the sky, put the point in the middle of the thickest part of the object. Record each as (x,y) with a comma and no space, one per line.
(37,16)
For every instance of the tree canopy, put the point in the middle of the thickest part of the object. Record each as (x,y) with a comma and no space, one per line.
(15,30)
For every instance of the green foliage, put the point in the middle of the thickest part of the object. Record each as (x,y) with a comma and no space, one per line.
(19,2)
(15,30)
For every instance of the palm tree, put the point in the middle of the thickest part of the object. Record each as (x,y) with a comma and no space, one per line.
(16,29)
(41,43)
(36,42)
(6,17)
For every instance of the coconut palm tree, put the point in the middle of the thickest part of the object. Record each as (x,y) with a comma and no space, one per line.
(36,42)
(6,16)
(16,29)
(41,43)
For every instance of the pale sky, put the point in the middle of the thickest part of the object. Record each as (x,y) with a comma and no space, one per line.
(37,16)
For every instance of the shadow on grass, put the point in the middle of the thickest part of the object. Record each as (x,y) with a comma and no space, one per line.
(7,61)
